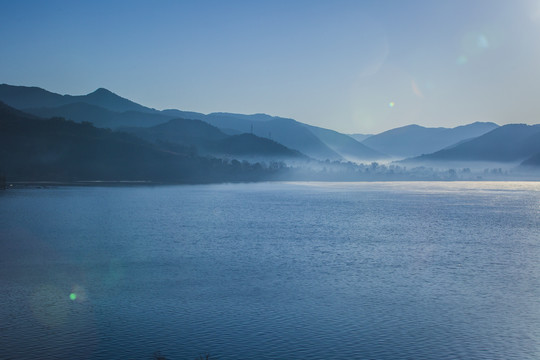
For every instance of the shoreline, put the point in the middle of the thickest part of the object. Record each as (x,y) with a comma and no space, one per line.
(120,183)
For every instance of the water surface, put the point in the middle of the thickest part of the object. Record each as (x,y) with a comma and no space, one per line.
(272,271)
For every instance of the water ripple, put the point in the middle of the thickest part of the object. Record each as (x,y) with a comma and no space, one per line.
(291,271)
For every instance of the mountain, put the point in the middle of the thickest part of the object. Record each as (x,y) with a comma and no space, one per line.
(24,97)
(532,161)
(414,140)
(508,143)
(180,131)
(100,117)
(360,137)
(106,109)
(287,132)
(33,149)
(344,145)
(209,140)
(110,101)
(252,117)
(174,113)
(250,145)
(313,141)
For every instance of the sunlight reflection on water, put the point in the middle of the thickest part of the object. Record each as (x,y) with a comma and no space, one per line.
(272,270)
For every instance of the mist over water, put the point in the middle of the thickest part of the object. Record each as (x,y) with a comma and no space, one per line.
(422,270)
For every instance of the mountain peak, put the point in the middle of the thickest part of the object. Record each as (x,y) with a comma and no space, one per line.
(107,99)
(102,91)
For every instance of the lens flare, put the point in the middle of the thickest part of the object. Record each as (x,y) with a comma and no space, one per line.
(78,293)
(391,104)
(482,42)
(462,60)
(416,89)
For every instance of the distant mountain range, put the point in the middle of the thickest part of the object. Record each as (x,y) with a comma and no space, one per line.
(360,137)
(508,143)
(23,97)
(106,109)
(285,131)
(34,149)
(414,140)
(260,136)
(99,116)
(346,146)
(209,140)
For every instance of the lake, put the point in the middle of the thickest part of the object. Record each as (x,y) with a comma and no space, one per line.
(411,270)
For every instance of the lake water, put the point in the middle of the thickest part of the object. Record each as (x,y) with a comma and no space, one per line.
(272,271)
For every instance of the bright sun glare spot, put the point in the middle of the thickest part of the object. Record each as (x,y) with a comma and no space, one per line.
(535,13)
(391,104)
(73,296)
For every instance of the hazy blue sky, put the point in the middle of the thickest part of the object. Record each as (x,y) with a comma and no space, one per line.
(353,66)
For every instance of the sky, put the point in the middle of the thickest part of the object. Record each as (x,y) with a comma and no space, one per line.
(351,66)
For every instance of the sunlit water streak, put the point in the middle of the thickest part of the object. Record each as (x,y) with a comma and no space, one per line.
(272,271)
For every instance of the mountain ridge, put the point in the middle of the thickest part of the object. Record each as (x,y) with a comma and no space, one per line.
(35,149)
(23,97)
(104,108)
(288,132)
(413,140)
(209,140)
(508,143)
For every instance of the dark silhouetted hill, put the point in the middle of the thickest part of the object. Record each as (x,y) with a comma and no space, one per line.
(317,142)
(33,149)
(508,143)
(414,140)
(175,114)
(255,146)
(110,101)
(112,111)
(103,108)
(24,97)
(287,132)
(100,117)
(209,140)
(190,133)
